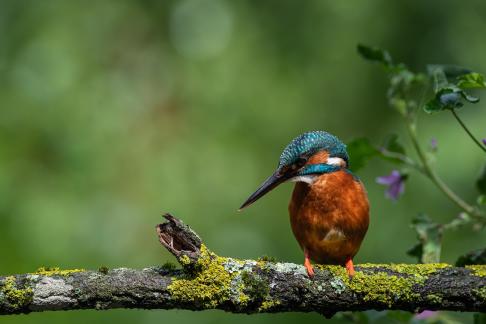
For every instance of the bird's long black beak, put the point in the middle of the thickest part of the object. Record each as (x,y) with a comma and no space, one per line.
(273,181)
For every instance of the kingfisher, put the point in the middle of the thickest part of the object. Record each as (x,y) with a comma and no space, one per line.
(329,208)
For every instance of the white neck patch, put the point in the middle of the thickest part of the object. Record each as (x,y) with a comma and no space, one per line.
(305,178)
(336,161)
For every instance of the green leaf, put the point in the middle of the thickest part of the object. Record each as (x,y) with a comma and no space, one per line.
(446,98)
(469,98)
(481,200)
(481,182)
(416,251)
(391,144)
(449,97)
(430,239)
(360,151)
(439,78)
(399,105)
(433,106)
(404,83)
(375,54)
(471,80)
(451,71)
(401,81)
(474,257)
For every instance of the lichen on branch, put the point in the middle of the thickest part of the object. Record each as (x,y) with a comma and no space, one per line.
(210,281)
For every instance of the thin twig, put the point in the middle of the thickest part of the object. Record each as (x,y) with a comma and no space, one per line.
(475,140)
(403,158)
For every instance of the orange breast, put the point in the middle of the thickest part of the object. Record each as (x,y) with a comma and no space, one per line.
(330,217)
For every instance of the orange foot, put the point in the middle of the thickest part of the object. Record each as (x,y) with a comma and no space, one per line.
(308,265)
(350,268)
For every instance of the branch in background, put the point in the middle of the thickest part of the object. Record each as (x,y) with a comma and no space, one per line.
(432,175)
(208,281)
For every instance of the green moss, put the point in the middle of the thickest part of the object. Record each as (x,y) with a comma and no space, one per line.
(184,260)
(264,265)
(481,293)
(381,286)
(256,287)
(243,298)
(169,266)
(267,258)
(103,269)
(56,271)
(209,286)
(336,270)
(434,298)
(268,304)
(216,280)
(418,270)
(478,270)
(15,298)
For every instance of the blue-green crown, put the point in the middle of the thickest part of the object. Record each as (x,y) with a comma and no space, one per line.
(310,143)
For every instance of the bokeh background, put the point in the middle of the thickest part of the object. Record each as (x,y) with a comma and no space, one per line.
(112,112)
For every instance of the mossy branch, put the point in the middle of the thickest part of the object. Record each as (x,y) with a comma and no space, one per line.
(208,281)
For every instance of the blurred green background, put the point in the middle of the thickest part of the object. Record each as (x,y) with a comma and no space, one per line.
(113,112)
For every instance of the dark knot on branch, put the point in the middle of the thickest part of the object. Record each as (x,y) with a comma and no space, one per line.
(180,240)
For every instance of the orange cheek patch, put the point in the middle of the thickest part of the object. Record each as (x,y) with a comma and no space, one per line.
(319,157)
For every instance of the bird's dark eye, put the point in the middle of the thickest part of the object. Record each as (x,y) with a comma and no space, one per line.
(300,162)
(283,170)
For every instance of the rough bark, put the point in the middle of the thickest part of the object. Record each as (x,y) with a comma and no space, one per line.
(208,281)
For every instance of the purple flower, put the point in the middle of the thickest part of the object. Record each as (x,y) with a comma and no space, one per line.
(426,314)
(484,141)
(433,144)
(395,182)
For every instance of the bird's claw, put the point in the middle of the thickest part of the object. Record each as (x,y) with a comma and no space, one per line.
(350,268)
(309,268)
(310,271)
(308,265)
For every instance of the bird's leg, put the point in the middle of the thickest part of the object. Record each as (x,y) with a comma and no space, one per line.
(307,264)
(350,267)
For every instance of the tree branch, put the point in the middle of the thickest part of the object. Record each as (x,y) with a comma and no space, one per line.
(208,281)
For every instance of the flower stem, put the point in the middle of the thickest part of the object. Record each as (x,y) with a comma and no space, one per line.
(404,159)
(430,173)
(467,131)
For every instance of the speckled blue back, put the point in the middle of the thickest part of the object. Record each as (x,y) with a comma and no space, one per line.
(310,143)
